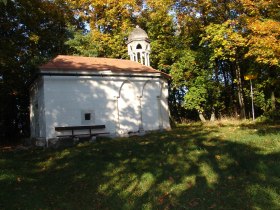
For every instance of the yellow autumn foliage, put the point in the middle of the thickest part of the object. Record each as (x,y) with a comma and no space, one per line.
(263,42)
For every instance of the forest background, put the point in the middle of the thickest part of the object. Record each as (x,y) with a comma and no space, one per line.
(207,46)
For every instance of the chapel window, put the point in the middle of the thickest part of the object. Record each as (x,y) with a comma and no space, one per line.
(87,116)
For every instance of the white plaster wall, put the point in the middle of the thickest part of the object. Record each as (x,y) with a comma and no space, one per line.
(67,97)
(109,97)
(150,106)
(129,113)
(164,107)
(33,96)
(37,110)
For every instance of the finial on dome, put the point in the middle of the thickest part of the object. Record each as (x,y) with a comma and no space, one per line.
(137,26)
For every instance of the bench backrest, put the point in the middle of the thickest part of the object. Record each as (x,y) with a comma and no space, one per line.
(85,127)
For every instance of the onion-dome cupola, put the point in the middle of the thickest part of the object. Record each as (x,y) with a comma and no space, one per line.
(139,46)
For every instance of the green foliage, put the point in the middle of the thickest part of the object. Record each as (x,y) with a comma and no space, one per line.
(159,24)
(224,40)
(184,69)
(110,24)
(269,117)
(82,44)
(207,46)
(219,41)
(196,96)
(30,32)
(185,72)
(202,92)
(4,2)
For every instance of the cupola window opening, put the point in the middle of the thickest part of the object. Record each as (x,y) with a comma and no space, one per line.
(139,47)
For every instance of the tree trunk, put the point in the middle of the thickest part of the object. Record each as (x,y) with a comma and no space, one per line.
(273,101)
(213,117)
(201,117)
(240,92)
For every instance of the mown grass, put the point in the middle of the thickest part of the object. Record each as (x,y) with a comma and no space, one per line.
(213,166)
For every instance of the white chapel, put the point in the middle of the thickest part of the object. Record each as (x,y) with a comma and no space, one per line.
(81,95)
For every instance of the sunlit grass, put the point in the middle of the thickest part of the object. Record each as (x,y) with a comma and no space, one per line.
(222,165)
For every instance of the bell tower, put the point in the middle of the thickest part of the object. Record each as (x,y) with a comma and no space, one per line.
(139,47)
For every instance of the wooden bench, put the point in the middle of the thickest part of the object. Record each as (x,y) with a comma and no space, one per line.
(91,130)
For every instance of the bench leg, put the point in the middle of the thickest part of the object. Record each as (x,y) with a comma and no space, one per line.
(92,139)
(76,139)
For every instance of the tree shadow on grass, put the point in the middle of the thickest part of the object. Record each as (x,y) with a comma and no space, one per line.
(182,169)
(263,128)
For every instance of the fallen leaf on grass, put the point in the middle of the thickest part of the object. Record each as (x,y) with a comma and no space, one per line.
(210,191)
(190,184)
(213,206)
(171,179)
(161,198)
(230,177)
(194,202)
(218,157)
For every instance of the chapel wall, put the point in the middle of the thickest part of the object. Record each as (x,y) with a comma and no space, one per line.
(67,99)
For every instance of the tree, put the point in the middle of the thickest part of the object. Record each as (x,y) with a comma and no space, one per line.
(240,37)
(157,19)
(30,32)
(207,46)
(202,93)
(227,45)
(110,23)
(81,44)
(263,30)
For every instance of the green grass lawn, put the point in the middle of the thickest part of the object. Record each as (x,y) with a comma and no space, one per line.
(214,166)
